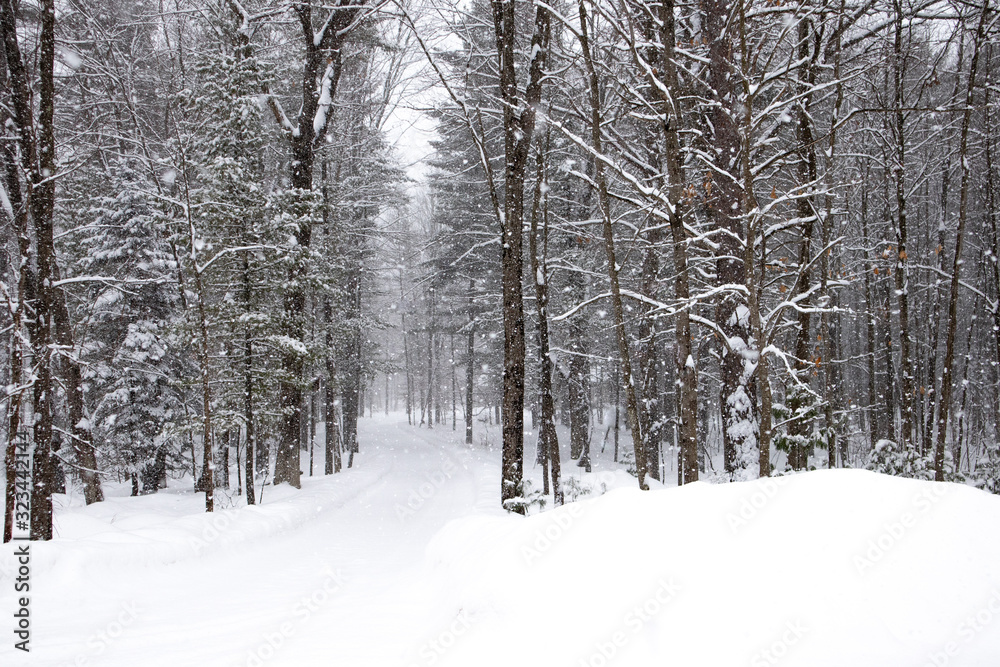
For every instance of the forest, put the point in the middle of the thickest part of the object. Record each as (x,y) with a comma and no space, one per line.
(728,239)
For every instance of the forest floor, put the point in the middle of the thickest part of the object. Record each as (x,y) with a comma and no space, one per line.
(405,560)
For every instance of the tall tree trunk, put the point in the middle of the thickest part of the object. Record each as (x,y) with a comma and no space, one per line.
(42,199)
(454,386)
(890,373)
(207,481)
(964,384)
(723,193)
(352,395)
(430,359)
(312,430)
(947,369)
(935,319)
(650,410)
(470,368)
(687,378)
(80,427)
(617,309)
(322,66)
(874,405)
(18,344)
(332,457)
(248,410)
(755,361)
(901,267)
(518,131)
(829,392)
(548,441)
(994,229)
(578,390)
(800,427)
(222,476)
(38,160)
(406,353)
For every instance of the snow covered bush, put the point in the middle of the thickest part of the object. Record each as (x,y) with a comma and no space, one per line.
(987,474)
(526,498)
(890,458)
(628,459)
(573,489)
(801,434)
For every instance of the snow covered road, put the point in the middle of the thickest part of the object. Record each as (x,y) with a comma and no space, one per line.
(328,577)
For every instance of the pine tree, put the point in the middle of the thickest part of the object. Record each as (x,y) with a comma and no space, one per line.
(130,356)
(232,200)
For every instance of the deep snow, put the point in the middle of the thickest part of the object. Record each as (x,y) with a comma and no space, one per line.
(406,560)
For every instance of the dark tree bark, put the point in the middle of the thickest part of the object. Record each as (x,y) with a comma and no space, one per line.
(25,290)
(548,441)
(222,472)
(518,126)
(333,456)
(333,462)
(470,369)
(890,372)
(431,398)
(687,377)
(80,427)
(829,383)
(454,386)
(632,398)
(798,453)
(650,410)
(947,370)
(321,70)
(874,405)
(578,391)
(406,352)
(994,229)
(38,160)
(939,255)
(206,482)
(755,361)
(351,391)
(723,201)
(901,263)
(249,429)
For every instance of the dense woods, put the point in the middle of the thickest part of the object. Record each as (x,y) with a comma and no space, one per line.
(738,238)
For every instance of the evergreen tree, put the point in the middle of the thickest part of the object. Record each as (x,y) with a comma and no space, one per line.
(130,315)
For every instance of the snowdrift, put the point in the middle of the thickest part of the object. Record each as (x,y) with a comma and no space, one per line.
(842,567)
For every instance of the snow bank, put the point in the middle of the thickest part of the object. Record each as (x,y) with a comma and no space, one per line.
(842,567)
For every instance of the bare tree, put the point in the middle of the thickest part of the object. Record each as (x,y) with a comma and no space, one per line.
(518,128)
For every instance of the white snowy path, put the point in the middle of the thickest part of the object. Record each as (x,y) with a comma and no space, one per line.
(341,588)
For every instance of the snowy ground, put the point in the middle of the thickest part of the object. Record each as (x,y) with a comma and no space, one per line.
(405,560)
